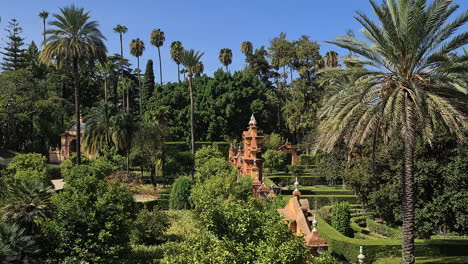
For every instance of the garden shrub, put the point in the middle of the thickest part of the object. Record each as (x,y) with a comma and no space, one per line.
(179,163)
(341,215)
(306,159)
(204,154)
(53,171)
(31,166)
(382,229)
(213,166)
(180,194)
(149,227)
(272,142)
(275,160)
(326,213)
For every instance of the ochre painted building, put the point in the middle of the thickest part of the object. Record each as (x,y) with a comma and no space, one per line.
(68,144)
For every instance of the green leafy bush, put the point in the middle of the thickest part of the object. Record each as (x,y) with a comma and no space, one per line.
(340,219)
(213,166)
(179,163)
(180,194)
(92,222)
(149,227)
(31,166)
(382,229)
(275,160)
(272,142)
(204,154)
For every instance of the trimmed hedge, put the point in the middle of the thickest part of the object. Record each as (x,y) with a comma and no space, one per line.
(161,203)
(373,249)
(382,229)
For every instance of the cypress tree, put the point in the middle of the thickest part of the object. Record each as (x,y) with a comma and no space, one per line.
(14,55)
(148,81)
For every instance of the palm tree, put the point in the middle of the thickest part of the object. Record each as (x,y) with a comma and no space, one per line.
(331,59)
(199,69)
(44,15)
(119,29)
(136,49)
(15,245)
(411,89)
(123,127)
(184,71)
(247,48)
(27,201)
(124,86)
(106,69)
(157,39)
(176,49)
(225,57)
(98,127)
(191,60)
(73,41)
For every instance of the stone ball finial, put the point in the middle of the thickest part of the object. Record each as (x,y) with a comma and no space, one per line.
(296,183)
(361,256)
(252,120)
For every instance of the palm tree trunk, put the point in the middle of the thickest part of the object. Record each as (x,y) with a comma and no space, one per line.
(128,99)
(160,66)
(139,87)
(227,70)
(178,72)
(191,121)
(128,162)
(121,56)
(408,189)
(77,110)
(105,88)
(43,23)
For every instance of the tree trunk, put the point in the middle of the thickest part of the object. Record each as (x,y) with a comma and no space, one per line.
(128,162)
(178,72)
(128,100)
(139,87)
(43,43)
(191,121)
(105,88)
(227,70)
(160,66)
(408,189)
(152,175)
(77,110)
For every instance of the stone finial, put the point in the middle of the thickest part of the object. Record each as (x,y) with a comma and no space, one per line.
(361,256)
(296,191)
(252,120)
(296,183)
(314,223)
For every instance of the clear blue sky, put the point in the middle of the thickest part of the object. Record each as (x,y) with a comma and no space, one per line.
(205,25)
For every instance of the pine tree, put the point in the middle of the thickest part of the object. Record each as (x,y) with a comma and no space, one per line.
(14,55)
(148,81)
(32,61)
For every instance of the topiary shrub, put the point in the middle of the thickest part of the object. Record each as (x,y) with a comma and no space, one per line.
(180,194)
(275,160)
(149,227)
(341,215)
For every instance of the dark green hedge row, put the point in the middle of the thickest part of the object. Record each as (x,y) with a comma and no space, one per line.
(303,180)
(382,229)
(182,146)
(161,203)
(373,249)
(319,192)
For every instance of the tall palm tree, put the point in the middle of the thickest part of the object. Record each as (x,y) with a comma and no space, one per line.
(225,57)
(124,86)
(157,39)
(119,29)
(27,201)
(184,71)
(106,69)
(247,48)
(410,90)
(136,49)
(176,49)
(98,127)
(199,69)
(190,59)
(74,40)
(331,59)
(123,127)
(44,15)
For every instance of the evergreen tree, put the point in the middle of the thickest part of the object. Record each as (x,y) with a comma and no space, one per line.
(14,55)
(148,81)
(32,61)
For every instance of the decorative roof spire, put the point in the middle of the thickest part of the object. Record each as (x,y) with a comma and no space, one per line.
(252,120)
(314,223)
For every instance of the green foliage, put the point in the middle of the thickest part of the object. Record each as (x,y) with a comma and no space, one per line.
(214,166)
(14,56)
(178,163)
(16,246)
(275,160)
(272,141)
(149,227)
(92,222)
(382,229)
(180,194)
(204,154)
(32,166)
(306,159)
(341,214)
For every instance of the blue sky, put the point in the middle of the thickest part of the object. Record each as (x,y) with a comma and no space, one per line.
(205,25)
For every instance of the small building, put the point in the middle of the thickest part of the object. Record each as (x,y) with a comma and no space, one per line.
(68,144)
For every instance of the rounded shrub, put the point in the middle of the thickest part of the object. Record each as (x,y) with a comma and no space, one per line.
(180,194)
(275,160)
(204,154)
(149,227)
